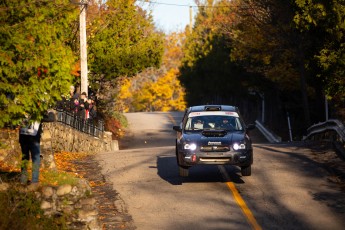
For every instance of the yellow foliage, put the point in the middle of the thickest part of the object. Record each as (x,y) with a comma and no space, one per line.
(165,94)
(156,89)
(125,95)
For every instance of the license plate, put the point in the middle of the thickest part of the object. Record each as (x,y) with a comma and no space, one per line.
(214,154)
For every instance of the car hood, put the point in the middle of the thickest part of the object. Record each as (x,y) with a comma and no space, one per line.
(227,138)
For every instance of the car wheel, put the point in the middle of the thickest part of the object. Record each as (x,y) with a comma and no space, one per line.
(183,171)
(246,171)
(177,159)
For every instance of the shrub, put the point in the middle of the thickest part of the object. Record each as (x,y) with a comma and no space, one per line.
(115,123)
(120,118)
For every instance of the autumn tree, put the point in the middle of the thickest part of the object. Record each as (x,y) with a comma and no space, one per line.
(296,45)
(156,89)
(165,94)
(267,41)
(35,56)
(207,71)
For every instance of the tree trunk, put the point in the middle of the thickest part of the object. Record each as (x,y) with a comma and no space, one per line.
(303,85)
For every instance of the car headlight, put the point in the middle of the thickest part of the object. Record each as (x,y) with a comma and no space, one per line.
(190,146)
(237,146)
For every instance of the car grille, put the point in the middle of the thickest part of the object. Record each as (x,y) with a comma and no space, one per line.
(214,133)
(215,148)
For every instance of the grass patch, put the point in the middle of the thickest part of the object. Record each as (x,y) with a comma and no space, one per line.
(55,178)
(22,211)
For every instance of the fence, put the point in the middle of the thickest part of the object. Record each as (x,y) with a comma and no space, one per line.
(94,128)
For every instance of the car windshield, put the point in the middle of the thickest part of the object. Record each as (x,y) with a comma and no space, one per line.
(214,122)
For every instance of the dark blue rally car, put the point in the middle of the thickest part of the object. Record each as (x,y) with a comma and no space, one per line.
(213,134)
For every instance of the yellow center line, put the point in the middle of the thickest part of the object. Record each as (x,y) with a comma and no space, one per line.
(246,211)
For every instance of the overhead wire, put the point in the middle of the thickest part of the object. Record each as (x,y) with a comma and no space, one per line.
(180,5)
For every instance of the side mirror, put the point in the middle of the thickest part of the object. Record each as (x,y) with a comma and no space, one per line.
(177,128)
(250,127)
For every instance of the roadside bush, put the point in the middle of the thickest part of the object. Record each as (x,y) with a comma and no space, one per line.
(120,118)
(115,123)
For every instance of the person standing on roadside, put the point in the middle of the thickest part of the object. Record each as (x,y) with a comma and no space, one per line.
(29,139)
(82,110)
(92,111)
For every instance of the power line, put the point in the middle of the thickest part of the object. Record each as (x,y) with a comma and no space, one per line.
(167,4)
(180,5)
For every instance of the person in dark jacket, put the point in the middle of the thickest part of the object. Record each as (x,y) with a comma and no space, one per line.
(29,139)
(92,111)
(82,111)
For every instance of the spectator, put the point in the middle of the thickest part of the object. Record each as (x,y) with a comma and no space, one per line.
(83,106)
(75,106)
(82,110)
(92,111)
(29,139)
(61,105)
(83,97)
(71,104)
(73,93)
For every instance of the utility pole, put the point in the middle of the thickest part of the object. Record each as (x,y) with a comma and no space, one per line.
(83,48)
(190,18)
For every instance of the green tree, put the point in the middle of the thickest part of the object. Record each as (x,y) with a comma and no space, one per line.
(326,17)
(122,41)
(207,72)
(35,56)
(267,41)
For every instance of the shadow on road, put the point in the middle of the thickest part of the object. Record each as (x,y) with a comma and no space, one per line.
(167,169)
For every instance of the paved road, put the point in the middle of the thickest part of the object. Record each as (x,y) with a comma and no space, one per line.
(287,190)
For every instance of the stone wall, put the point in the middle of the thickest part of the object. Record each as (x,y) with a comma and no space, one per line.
(56,137)
(65,138)
(9,148)
(75,201)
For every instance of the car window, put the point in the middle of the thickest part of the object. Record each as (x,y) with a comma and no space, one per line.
(223,122)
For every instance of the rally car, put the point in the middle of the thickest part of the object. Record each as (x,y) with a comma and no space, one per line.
(213,134)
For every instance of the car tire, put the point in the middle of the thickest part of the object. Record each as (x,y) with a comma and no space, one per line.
(177,159)
(183,171)
(246,171)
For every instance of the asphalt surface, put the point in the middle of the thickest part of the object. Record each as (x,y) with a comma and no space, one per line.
(290,187)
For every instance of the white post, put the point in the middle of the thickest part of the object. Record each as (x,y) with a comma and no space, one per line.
(290,132)
(83,48)
(263,107)
(326,108)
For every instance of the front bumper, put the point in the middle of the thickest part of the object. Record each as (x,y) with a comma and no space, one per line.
(239,158)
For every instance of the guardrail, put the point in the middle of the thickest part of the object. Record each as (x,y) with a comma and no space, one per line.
(331,130)
(96,128)
(329,125)
(272,138)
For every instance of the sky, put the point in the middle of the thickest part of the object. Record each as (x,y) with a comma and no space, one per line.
(169,15)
